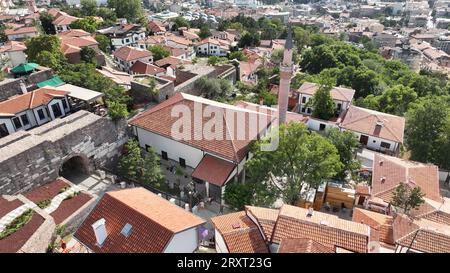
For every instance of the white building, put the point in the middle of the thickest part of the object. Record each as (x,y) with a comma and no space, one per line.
(124,35)
(32,109)
(62,21)
(225,150)
(212,47)
(141,222)
(13,53)
(22,33)
(126,56)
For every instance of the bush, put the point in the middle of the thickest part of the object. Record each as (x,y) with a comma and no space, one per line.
(17,224)
(44,203)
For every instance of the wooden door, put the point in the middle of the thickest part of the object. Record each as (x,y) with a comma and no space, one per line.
(364,139)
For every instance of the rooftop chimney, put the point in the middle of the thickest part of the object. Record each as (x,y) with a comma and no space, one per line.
(310,212)
(100,231)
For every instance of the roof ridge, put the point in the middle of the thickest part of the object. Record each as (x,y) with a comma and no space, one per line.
(31,99)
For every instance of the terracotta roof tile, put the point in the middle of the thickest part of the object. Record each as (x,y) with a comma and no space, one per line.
(171,61)
(323,228)
(303,245)
(265,217)
(13,46)
(380,222)
(154,221)
(21,30)
(213,170)
(231,144)
(365,121)
(337,93)
(394,170)
(63,18)
(128,53)
(146,68)
(240,234)
(30,100)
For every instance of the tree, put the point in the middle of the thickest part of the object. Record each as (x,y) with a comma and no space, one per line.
(131,162)
(88,55)
(89,7)
(37,44)
(301,38)
(238,195)
(205,32)
(427,130)
(152,173)
(215,60)
(407,198)
(130,9)
(180,22)
(159,52)
(322,103)
(346,143)
(48,59)
(249,39)
(238,55)
(103,43)
(116,110)
(396,99)
(88,24)
(46,22)
(213,88)
(302,159)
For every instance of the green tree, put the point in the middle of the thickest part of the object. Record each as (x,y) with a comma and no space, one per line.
(301,38)
(88,55)
(407,198)
(103,43)
(215,60)
(396,99)
(301,159)
(249,39)
(131,162)
(131,9)
(213,87)
(179,22)
(159,52)
(427,130)
(42,43)
(322,103)
(152,173)
(46,22)
(116,109)
(238,55)
(88,24)
(346,143)
(89,7)
(48,59)
(205,32)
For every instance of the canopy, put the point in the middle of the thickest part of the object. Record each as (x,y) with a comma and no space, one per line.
(24,68)
(80,92)
(213,170)
(55,81)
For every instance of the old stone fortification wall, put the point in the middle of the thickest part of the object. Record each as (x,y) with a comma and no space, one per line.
(33,158)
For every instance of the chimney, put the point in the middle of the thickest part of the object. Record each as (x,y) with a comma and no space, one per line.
(23,87)
(100,231)
(310,212)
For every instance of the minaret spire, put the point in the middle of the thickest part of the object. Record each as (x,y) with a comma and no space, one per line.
(286,69)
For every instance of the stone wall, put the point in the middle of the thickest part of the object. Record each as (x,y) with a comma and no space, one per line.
(33,158)
(139,90)
(9,88)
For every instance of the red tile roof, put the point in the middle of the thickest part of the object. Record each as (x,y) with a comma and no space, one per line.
(154,222)
(146,68)
(323,228)
(214,170)
(13,46)
(290,117)
(128,53)
(73,33)
(156,26)
(265,218)
(303,245)
(380,222)
(365,121)
(337,93)
(30,100)
(63,18)
(389,172)
(21,30)
(240,234)
(232,144)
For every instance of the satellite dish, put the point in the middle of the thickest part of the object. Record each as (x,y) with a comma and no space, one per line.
(374,247)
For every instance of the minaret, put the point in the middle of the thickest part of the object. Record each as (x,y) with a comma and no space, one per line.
(285,78)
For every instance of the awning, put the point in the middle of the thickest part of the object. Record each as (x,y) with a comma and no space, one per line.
(24,68)
(80,93)
(55,81)
(213,170)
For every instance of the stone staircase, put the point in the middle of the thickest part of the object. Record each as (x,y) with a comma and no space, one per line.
(57,200)
(8,218)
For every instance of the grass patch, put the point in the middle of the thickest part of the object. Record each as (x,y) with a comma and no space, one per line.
(63,189)
(17,223)
(72,195)
(44,203)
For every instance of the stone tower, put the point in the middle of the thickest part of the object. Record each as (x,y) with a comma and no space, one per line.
(286,70)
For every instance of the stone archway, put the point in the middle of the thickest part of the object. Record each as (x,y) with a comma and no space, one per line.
(75,168)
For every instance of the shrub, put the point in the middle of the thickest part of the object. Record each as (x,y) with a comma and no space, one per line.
(17,224)
(44,203)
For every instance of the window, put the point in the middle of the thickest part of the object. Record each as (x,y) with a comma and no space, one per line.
(24,119)
(17,123)
(339,106)
(41,114)
(56,110)
(385,145)
(182,162)
(164,155)
(309,110)
(303,99)
(147,147)
(322,127)
(64,103)
(303,109)
(3,130)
